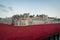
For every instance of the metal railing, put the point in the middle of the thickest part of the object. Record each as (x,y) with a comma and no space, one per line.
(54,37)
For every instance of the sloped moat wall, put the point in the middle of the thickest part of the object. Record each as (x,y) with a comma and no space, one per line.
(34,32)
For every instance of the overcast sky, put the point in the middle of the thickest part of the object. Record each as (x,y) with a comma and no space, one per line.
(48,7)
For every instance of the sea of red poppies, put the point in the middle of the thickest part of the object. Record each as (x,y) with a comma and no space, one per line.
(33,32)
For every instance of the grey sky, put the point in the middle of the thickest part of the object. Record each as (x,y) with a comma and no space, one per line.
(48,7)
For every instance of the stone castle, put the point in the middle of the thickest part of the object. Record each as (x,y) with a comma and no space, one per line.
(27,19)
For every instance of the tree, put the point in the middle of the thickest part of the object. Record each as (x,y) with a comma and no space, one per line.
(0,18)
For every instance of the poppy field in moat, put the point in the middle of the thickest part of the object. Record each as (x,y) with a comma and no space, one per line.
(32,32)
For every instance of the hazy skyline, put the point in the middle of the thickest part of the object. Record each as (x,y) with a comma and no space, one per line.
(48,7)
